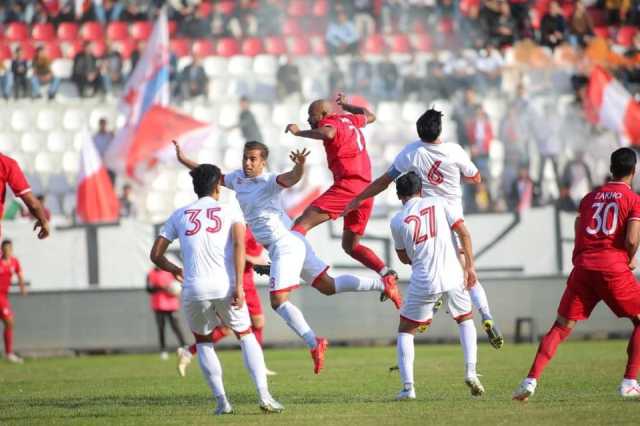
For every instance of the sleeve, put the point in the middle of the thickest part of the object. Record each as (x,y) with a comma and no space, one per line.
(16,179)
(464,163)
(17,266)
(358,120)
(399,166)
(236,215)
(228,180)
(454,217)
(274,184)
(170,231)
(634,213)
(396,233)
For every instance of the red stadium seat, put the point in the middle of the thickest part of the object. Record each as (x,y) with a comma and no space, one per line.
(252,46)
(205,9)
(28,50)
(226,7)
(68,31)
(52,50)
(118,31)
(400,44)
(275,46)
(5,52)
(203,48)
(446,26)
(43,32)
(141,30)
(91,31)
(374,45)
(626,35)
(126,47)
(73,48)
(173,28)
(423,43)
(181,47)
(17,31)
(228,47)
(291,27)
(319,47)
(601,32)
(99,48)
(300,46)
(320,8)
(297,8)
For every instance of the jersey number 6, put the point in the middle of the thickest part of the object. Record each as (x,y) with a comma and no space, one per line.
(434,175)
(197,224)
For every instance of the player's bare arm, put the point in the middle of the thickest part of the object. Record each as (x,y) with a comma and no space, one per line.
(632,241)
(237,234)
(21,284)
(476,179)
(354,109)
(404,258)
(190,164)
(469,263)
(35,208)
(324,133)
(293,176)
(374,188)
(159,259)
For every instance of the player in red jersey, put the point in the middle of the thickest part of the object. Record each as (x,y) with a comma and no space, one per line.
(349,163)
(9,265)
(607,238)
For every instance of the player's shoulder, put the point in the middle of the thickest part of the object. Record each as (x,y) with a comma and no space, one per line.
(397,219)
(7,162)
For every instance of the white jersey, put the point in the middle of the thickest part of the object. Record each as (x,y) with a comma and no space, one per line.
(440,167)
(204,230)
(261,203)
(423,229)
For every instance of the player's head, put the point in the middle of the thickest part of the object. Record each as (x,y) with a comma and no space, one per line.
(7,248)
(623,163)
(206,180)
(408,186)
(318,110)
(254,158)
(429,125)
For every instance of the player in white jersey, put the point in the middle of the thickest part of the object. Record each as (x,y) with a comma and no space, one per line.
(422,237)
(259,194)
(211,237)
(441,167)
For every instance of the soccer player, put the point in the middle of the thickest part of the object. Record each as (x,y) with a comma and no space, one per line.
(422,237)
(292,257)
(607,238)
(349,163)
(440,167)
(211,237)
(9,266)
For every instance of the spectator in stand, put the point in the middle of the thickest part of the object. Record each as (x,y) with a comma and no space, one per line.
(464,108)
(545,129)
(111,68)
(190,23)
(101,140)
(341,35)
(392,13)
(135,56)
(413,81)
(580,26)
(387,82)
(522,23)
(363,12)
(42,74)
(243,23)
(135,10)
(19,81)
(497,24)
(522,194)
(361,75)
(288,79)
(247,122)
(127,206)
(513,138)
(489,65)
(86,73)
(337,81)
(614,11)
(553,26)
(631,10)
(194,80)
(576,182)
(438,85)
(6,79)
(110,11)
(480,135)
(269,16)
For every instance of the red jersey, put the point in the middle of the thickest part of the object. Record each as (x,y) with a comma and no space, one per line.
(602,227)
(162,300)
(8,268)
(11,174)
(252,248)
(347,152)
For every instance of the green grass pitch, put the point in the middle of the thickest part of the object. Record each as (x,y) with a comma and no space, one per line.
(579,387)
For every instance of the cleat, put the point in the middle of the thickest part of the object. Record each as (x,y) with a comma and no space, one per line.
(629,390)
(184,359)
(262,269)
(14,359)
(526,389)
(495,337)
(318,354)
(391,289)
(406,394)
(475,386)
(223,407)
(270,372)
(270,405)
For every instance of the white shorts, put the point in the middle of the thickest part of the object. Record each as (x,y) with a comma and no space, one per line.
(418,308)
(205,315)
(292,258)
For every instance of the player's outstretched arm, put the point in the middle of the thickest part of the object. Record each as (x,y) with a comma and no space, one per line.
(632,240)
(190,164)
(159,259)
(324,133)
(374,188)
(475,179)
(293,176)
(470,276)
(36,209)
(237,233)
(21,284)
(354,109)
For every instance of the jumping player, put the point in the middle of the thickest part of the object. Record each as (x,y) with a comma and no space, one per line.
(292,257)
(9,266)
(607,238)
(211,237)
(440,167)
(349,163)
(422,236)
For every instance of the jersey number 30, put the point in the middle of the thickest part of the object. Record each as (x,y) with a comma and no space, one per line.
(603,221)
(197,224)
(428,218)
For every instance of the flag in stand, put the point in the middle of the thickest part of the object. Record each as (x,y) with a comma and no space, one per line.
(96,200)
(609,104)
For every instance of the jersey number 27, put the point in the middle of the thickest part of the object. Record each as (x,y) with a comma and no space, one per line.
(197,224)
(428,218)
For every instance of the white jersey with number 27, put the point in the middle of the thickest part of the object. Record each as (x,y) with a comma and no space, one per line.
(423,229)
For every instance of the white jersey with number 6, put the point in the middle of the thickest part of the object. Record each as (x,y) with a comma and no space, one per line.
(423,229)
(204,230)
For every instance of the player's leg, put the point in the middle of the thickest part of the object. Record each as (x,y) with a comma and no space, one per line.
(6,317)
(252,299)
(629,387)
(173,322)
(355,223)
(311,217)
(160,320)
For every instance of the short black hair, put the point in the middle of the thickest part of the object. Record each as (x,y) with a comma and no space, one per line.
(255,145)
(429,125)
(205,178)
(408,184)
(6,242)
(623,162)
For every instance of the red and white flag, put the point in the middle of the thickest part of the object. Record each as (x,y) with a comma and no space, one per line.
(96,200)
(610,105)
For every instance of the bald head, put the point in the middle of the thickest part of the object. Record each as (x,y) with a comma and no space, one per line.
(318,109)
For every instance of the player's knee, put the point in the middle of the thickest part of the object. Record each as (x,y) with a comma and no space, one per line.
(202,338)
(564,322)
(325,285)
(257,321)
(348,247)
(277,300)
(464,317)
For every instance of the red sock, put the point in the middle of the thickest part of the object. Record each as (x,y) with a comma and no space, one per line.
(8,339)
(218,334)
(633,349)
(193,349)
(547,349)
(299,229)
(258,333)
(367,257)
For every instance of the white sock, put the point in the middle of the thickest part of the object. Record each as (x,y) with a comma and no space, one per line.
(254,363)
(211,368)
(295,320)
(629,382)
(348,282)
(469,342)
(479,299)
(406,355)
(383,271)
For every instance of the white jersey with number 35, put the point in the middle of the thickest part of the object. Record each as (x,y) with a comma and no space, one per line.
(204,230)
(423,229)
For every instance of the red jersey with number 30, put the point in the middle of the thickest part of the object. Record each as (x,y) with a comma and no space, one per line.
(602,227)
(347,151)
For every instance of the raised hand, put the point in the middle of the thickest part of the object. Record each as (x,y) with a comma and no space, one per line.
(292,128)
(299,157)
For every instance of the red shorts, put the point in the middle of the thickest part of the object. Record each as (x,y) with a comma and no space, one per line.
(5,309)
(585,288)
(335,200)
(252,299)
